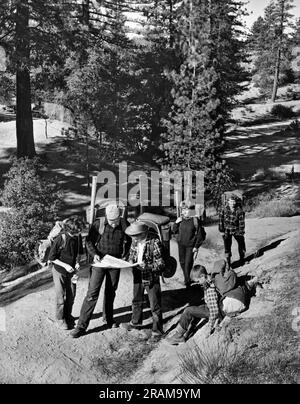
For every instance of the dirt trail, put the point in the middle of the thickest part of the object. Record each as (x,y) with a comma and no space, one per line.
(34,350)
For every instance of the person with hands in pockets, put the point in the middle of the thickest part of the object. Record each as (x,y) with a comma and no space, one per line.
(64,255)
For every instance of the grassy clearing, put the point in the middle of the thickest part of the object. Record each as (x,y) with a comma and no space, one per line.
(284,207)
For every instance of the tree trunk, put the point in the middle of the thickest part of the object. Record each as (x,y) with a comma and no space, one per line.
(24,125)
(171,25)
(278,59)
(276,76)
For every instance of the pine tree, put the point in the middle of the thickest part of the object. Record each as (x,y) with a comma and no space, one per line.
(195,128)
(156,54)
(29,31)
(270,43)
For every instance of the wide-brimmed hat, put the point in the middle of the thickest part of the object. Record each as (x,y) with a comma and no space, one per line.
(136,228)
(218,266)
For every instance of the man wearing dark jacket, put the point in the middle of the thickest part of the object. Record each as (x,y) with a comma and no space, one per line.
(189,238)
(112,241)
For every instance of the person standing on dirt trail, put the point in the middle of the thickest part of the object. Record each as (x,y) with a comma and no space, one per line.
(191,315)
(146,250)
(189,231)
(112,241)
(232,224)
(64,255)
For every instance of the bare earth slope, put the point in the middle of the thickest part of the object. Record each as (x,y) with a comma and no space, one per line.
(34,350)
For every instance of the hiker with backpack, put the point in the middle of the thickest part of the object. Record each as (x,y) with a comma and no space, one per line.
(105,237)
(232,224)
(65,254)
(190,235)
(146,251)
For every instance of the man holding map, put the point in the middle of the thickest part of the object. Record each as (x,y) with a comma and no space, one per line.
(113,241)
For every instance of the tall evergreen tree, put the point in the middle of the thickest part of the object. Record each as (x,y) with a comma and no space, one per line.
(195,128)
(270,42)
(28,31)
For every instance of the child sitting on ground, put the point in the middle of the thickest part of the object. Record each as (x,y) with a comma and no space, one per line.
(209,310)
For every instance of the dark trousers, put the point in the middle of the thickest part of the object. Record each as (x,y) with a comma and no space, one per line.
(186,259)
(154,294)
(228,243)
(97,276)
(191,313)
(65,292)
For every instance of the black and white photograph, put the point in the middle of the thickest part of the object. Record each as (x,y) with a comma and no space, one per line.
(149,195)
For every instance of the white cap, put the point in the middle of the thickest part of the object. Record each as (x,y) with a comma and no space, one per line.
(112,212)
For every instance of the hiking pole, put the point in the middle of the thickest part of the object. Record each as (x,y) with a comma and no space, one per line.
(195,255)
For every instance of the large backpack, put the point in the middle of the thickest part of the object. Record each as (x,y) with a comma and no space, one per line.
(170,262)
(159,227)
(43,247)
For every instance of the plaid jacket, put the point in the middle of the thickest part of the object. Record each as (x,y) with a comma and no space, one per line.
(152,257)
(232,222)
(211,300)
(113,241)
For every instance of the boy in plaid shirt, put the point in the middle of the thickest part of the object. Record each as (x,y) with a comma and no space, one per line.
(146,251)
(232,223)
(210,308)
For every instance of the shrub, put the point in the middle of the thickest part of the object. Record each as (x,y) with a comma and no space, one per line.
(276,208)
(208,363)
(34,203)
(282,112)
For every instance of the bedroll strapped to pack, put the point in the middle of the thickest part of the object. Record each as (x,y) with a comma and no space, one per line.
(43,247)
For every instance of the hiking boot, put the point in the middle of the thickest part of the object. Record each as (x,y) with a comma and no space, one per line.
(155,336)
(252,282)
(178,337)
(111,324)
(77,332)
(71,322)
(130,326)
(62,324)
